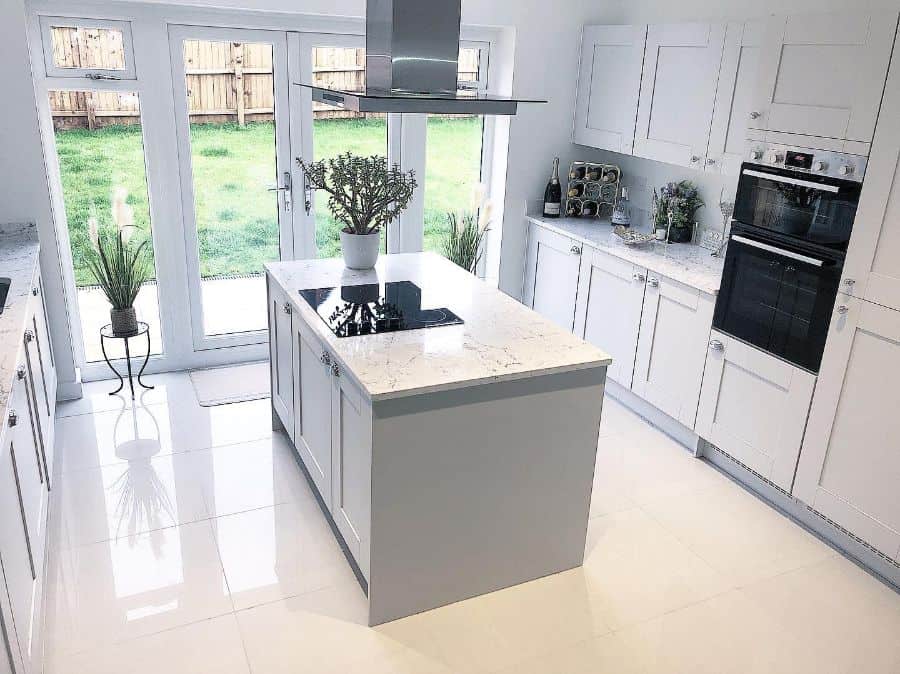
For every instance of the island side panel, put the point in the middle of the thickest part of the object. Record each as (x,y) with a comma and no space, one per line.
(478,489)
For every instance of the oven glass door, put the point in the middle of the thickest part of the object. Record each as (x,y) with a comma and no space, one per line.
(778,299)
(816,209)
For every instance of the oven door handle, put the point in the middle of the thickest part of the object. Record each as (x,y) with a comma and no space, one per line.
(778,251)
(792,181)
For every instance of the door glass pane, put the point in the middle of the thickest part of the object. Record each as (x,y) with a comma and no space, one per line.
(99,144)
(452,162)
(338,131)
(85,47)
(231,103)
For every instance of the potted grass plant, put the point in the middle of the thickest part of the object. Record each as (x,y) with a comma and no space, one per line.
(119,266)
(364,194)
(464,241)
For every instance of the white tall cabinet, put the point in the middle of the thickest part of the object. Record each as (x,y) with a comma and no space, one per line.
(823,74)
(678,91)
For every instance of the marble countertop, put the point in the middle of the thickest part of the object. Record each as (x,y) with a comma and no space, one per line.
(687,263)
(500,340)
(18,261)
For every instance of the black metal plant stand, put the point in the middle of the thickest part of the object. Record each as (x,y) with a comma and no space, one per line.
(106,332)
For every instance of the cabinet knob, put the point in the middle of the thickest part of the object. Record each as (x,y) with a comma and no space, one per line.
(710,162)
(35,291)
(13,418)
(755,115)
(29,336)
(325,358)
(654,282)
(849,282)
(695,159)
(640,278)
(287,307)
(843,309)
(576,250)
(20,372)
(716,345)
(335,370)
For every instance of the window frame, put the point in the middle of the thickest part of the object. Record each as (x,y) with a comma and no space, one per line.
(47,23)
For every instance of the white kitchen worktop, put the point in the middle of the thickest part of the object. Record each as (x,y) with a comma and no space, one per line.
(500,340)
(683,262)
(18,261)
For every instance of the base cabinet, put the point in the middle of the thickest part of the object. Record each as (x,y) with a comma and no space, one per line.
(281,357)
(754,407)
(849,469)
(671,350)
(551,275)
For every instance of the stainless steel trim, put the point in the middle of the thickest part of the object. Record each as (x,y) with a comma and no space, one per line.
(778,251)
(792,181)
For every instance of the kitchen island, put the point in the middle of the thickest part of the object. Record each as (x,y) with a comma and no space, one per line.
(452,460)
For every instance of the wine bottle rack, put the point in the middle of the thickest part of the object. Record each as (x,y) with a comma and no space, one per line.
(590,188)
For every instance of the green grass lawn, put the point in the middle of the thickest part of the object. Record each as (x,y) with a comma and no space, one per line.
(236,216)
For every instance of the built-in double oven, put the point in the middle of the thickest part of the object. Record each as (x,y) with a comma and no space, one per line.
(793,216)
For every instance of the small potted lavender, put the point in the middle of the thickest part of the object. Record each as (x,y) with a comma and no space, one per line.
(677,203)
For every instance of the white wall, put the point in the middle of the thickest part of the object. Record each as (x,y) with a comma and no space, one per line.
(24,195)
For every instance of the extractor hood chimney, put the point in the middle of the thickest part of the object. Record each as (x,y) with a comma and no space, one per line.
(412,53)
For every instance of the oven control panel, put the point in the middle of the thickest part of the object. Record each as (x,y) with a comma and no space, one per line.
(807,160)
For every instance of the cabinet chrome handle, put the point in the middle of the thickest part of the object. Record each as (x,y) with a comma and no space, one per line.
(843,309)
(35,291)
(695,159)
(654,282)
(716,345)
(287,307)
(29,336)
(710,162)
(20,372)
(755,115)
(13,418)
(576,250)
(850,282)
(335,370)
(640,278)
(325,358)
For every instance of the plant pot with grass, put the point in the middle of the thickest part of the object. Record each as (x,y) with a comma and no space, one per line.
(364,194)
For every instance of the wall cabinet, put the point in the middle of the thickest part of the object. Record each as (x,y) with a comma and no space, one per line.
(671,350)
(849,469)
(734,97)
(611,288)
(609,81)
(678,91)
(281,357)
(823,74)
(552,264)
(754,407)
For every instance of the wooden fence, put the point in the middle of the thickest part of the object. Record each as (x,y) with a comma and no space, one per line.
(226,81)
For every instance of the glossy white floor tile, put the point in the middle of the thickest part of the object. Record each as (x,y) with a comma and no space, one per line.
(186,539)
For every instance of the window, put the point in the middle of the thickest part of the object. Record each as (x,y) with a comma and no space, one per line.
(87,48)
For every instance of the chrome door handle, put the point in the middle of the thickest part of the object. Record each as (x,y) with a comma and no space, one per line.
(335,370)
(716,345)
(843,309)
(13,418)
(287,307)
(325,358)
(285,189)
(654,282)
(20,372)
(640,278)
(307,190)
(576,250)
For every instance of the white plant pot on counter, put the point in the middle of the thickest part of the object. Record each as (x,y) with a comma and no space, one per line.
(360,250)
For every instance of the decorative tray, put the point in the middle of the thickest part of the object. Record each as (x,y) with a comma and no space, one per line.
(631,238)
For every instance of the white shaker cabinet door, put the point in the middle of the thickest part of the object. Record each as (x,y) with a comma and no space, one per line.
(608,315)
(754,406)
(872,267)
(849,469)
(671,352)
(312,415)
(734,97)
(551,275)
(609,81)
(678,92)
(351,458)
(823,74)
(281,357)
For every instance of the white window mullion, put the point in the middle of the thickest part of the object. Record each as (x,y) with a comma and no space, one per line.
(407,147)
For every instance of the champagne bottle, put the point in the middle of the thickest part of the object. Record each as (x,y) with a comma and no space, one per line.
(553,193)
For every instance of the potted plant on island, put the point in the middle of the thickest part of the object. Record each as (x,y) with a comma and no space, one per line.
(364,194)
(677,203)
(119,266)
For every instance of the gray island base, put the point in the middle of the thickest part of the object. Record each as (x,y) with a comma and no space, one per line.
(452,461)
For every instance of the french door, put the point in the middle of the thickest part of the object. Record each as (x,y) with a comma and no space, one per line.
(232,102)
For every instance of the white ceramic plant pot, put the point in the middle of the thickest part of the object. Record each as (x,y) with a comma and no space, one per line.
(360,250)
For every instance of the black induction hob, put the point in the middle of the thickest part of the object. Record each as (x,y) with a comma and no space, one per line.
(374,308)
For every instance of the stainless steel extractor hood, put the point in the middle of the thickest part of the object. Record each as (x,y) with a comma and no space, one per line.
(412,52)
